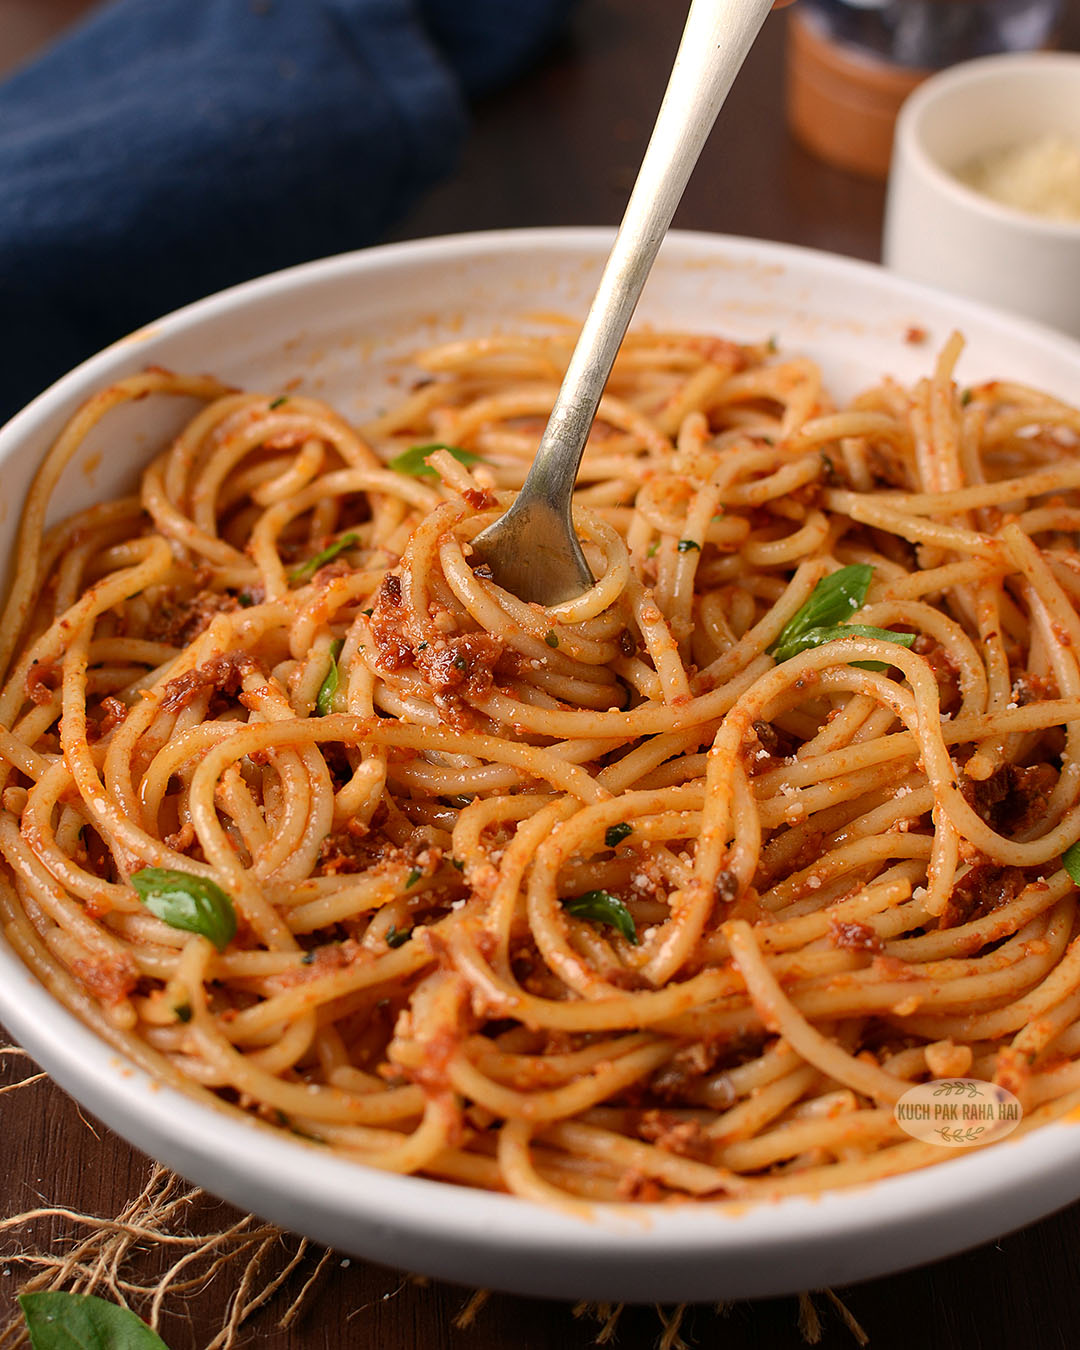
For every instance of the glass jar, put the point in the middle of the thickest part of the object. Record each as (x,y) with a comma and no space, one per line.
(851,63)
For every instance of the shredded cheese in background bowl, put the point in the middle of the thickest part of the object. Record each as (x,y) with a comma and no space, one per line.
(1040,176)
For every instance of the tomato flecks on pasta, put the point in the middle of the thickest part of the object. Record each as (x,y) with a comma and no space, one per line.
(669,891)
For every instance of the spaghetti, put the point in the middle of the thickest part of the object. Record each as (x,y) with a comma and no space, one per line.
(668,891)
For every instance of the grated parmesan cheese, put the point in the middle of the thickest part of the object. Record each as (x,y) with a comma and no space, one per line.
(1040,176)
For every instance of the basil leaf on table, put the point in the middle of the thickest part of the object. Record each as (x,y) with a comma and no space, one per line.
(603,907)
(194,904)
(412,461)
(817,637)
(57,1320)
(307,570)
(324,700)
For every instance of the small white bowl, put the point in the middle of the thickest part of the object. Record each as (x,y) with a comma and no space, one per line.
(940,231)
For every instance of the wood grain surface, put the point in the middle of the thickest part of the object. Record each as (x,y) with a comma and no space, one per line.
(560,147)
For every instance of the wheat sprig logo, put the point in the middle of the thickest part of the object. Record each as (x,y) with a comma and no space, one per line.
(958,1112)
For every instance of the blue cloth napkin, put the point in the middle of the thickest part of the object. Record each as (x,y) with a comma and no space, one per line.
(168,148)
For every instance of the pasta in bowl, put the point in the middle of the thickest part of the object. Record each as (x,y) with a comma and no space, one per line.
(665,894)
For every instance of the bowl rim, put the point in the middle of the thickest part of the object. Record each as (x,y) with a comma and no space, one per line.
(240,1155)
(919,106)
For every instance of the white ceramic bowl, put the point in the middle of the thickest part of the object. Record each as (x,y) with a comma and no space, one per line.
(940,231)
(340,325)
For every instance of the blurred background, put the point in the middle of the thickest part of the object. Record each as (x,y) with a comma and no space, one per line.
(99,233)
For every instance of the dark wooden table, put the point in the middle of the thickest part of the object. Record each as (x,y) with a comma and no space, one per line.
(562,147)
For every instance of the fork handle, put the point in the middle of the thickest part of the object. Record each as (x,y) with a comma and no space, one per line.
(717,37)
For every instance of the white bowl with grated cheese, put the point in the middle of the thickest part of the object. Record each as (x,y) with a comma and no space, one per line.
(984,187)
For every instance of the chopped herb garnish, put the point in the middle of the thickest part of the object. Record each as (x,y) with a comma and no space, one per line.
(58,1320)
(1070,860)
(183,1012)
(245,599)
(651,553)
(308,569)
(817,637)
(835,598)
(277,402)
(456,862)
(772,345)
(551,638)
(603,907)
(459,663)
(421,647)
(966,397)
(413,877)
(615,834)
(324,700)
(821,618)
(368,612)
(414,460)
(688,545)
(193,904)
(303,1134)
(395,938)
(308,959)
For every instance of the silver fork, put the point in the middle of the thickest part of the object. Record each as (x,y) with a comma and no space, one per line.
(533,550)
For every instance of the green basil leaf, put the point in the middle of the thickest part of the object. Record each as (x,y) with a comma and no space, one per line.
(396,938)
(688,546)
(816,637)
(324,700)
(413,877)
(615,834)
(835,598)
(1070,860)
(307,570)
(551,638)
(58,1320)
(603,907)
(411,461)
(194,904)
